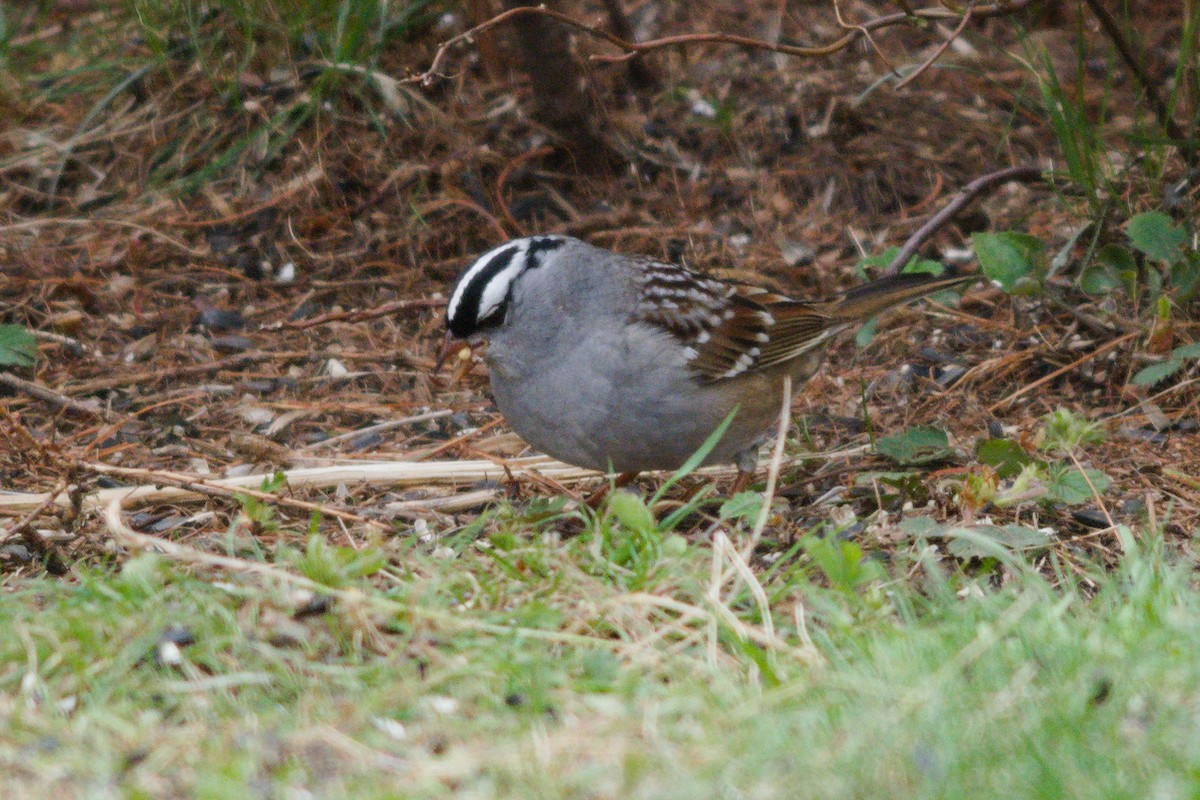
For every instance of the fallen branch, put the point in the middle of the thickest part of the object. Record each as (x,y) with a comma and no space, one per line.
(384,474)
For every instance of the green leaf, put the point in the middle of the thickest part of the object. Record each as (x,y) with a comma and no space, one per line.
(915,264)
(843,563)
(1154,234)
(1185,277)
(18,348)
(1066,430)
(973,541)
(632,512)
(867,332)
(1117,258)
(1148,376)
(1187,351)
(1004,455)
(924,266)
(908,483)
(743,505)
(1068,485)
(919,445)
(1009,258)
(1097,279)
(919,526)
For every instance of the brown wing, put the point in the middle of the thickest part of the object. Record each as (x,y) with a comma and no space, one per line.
(730,329)
(733,329)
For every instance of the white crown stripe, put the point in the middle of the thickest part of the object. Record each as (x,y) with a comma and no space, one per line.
(467,279)
(497,288)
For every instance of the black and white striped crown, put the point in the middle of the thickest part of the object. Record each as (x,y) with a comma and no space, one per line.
(482,293)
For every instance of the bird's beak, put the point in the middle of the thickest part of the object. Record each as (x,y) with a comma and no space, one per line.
(461,351)
(452,345)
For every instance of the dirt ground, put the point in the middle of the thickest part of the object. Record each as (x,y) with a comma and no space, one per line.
(294,293)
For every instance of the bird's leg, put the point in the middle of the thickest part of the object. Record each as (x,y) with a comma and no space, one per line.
(594,500)
(741,482)
(745,461)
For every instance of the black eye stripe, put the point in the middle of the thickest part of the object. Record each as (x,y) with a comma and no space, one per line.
(465,321)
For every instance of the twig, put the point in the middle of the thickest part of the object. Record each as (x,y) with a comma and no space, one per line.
(69,148)
(74,345)
(1150,86)
(233,362)
(130,538)
(291,187)
(385,310)
(32,224)
(90,409)
(633,48)
(962,25)
(200,486)
(639,72)
(378,428)
(23,523)
(450,444)
(1026,174)
(1099,351)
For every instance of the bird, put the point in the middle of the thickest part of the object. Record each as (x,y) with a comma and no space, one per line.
(624,364)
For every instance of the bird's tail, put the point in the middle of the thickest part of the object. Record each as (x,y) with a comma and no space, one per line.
(864,302)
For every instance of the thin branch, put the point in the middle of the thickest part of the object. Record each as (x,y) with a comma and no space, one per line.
(639,72)
(203,487)
(939,51)
(1185,142)
(358,315)
(972,191)
(56,399)
(633,48)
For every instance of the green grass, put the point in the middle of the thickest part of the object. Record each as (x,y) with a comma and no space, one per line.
(534,666)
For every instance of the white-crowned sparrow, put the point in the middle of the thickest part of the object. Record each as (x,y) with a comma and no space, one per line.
(616,362)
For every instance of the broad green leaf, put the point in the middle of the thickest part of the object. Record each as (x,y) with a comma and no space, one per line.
(743,505)
(1187,351)
(1070,486)
(18,348)
(1098,279)
(632,512)
(1008,257)
(1154,234)
(919,526)
(1004,455)
(915,264)
(972,541)
(920,445)
(1148,376)
(975,541)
